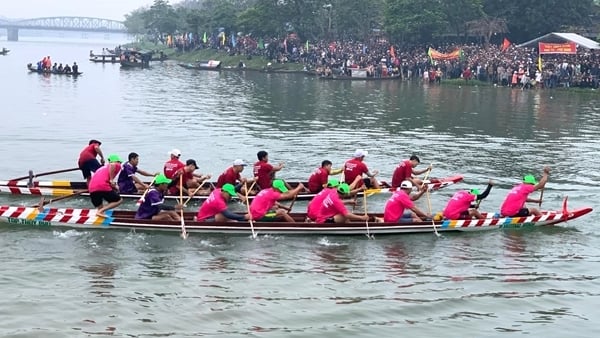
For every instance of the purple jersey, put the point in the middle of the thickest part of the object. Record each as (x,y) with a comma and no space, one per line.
(151,205)
(126,183)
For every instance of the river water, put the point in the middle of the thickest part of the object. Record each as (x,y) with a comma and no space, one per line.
(67,283)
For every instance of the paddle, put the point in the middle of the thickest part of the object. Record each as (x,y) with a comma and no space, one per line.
(42,202)
(541,197)
(432,220)
(45,174)
(183,232)
(141,199)
(248,207)
(194,192)
(367,221)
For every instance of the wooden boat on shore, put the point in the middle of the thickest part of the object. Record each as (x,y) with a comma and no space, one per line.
(211,65)
(87,219)
(106,58)
(33,69)
(62,188)
(359,78)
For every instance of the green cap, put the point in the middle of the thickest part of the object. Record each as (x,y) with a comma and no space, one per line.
(229,188)
(343,188)
(475,191)
(280,185)
(161,179)
(113,158)
(529,179)
(332,182)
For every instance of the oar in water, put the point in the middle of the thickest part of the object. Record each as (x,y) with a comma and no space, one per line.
(183,231)
(369,236)
(541,197)
(248,207)
(42,202)
(30,175)
(429,201)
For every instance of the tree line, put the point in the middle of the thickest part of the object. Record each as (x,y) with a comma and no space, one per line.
(403,22)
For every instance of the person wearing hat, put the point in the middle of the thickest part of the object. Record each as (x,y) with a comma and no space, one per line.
(514,203)
(128,182)
(332,209)
(88,162)
(191,180)
(405,171)
(354,170)
(460,205)
(266,199)
(215,207)
(102,186)
(400,207)
(233,176)
(173,164)
(153,207)
(318,180)
(264,171)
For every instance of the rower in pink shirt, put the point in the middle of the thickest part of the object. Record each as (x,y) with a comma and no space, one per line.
(460,205)
(332,209)
(514,203)
(266,199)
(400,207)
(103,186)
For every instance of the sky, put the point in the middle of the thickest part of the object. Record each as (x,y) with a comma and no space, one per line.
(104,9)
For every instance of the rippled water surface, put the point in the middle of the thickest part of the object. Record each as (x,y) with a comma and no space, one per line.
(61,283)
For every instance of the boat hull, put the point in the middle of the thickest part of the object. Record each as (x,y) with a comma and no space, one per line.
(87,219)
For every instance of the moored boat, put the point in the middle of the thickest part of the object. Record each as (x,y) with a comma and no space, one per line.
(61,188)
(359,78)
(213,65)
(116,219)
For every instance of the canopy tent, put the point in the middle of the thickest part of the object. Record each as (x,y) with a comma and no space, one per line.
(561,38)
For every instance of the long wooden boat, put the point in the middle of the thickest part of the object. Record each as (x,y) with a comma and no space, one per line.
(62,188)
(87,219)
(105,59)
(359,78)
(212,65)
(34,69)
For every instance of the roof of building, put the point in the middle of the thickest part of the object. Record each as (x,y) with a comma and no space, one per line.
(554,37)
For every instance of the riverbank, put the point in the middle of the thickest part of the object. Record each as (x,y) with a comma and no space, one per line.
(253,63)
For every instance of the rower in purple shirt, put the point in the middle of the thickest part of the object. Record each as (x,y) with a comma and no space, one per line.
(153,206)
(129,183)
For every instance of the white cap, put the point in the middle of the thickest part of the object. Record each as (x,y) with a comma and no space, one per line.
(406,184)
(175,152)
(240,162)
(360,153)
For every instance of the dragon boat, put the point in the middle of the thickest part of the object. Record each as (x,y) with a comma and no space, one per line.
(47,217)
(62,188)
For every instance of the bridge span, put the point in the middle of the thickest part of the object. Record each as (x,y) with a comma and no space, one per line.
(62,23)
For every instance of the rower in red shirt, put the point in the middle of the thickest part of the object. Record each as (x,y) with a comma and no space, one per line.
(87,162)
(320,176)
(191,180)
(233,176)
(354,170)
(405,171)
(173,164)
(264,171)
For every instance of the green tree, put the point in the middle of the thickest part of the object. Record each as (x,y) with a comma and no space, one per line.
(135,23)
(414,20)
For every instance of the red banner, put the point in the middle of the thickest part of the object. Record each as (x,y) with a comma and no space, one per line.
(558,48)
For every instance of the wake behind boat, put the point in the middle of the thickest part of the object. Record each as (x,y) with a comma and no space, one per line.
(62,188)
(87,219)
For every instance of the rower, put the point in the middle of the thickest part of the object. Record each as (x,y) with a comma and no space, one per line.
(87,159)
(265,171)
(332,209)
(354,170)
(319,178)
(233,176)
(266,199)
(400,207)
(102,186)
(214,209)
(128,182)
(153,206)
(406,171)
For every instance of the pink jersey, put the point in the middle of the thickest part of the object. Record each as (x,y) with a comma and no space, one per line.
(516,198)
(394,208)
(315,204)
(331,205)
(100,181)
(214,204)
(317,179)
(402,172)
(354,168)
(263,202)
(459,203)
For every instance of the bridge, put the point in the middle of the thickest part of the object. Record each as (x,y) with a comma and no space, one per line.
(62,23)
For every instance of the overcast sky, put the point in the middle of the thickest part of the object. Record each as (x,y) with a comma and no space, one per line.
(104,9)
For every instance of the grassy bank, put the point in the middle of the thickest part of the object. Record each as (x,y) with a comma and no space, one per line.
(257,63)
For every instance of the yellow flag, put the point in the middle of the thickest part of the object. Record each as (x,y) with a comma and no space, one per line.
(223,38)
(540,62)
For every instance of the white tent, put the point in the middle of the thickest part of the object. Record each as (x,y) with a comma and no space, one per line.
(581,41)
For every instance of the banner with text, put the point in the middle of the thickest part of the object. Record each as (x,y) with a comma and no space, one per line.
(435,55)
(558,48)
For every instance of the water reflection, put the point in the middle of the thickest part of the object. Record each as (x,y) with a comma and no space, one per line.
(103,275)
(161,266)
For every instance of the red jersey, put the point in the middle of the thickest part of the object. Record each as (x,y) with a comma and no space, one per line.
(264,172)
(228,176)
(353,169)
(317,179)
(88,153)
(402,172)
(172,166)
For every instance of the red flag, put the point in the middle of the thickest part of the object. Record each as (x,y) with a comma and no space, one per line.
(392,52)
(505,45)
